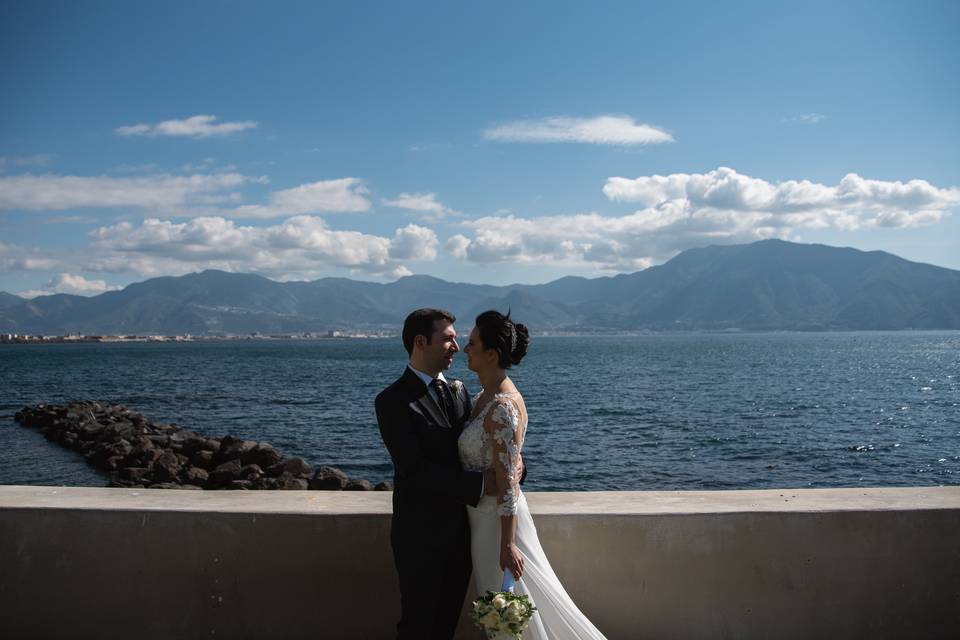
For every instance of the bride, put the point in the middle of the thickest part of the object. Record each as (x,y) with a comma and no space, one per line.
(502,532)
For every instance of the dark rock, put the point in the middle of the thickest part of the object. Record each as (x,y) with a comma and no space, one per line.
(167,467)
(142,443)
(179,439)
(122,448)
(141,431)
(195,475)
(39,416)
(90,431)
(358,485)
(251,472)
(143,457)
(267,483)
(116,431)
(104,450)
(202,459)
(231,448)
(329,479)
(116,481)
(287,480)
(224,474)
(231,466)
(160,440)
(263,455)
(297,467)
(134,474)
(196,443)
(113,462)
(138,452)
(383,486)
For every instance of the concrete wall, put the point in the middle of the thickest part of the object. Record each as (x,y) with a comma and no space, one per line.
(835,563)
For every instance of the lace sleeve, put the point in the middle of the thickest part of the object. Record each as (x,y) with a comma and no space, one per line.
(503,425)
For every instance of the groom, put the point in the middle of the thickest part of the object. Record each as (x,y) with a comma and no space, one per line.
(420,418)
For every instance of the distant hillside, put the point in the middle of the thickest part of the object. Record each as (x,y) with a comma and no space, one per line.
(9,300)
(768,285)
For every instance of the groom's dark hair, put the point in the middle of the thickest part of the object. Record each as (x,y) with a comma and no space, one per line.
(421,323)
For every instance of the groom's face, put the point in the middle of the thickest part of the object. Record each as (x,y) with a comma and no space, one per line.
(443,344)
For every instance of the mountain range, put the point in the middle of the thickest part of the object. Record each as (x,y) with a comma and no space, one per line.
(763,286)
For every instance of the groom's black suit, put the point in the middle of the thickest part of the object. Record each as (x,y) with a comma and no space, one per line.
(430,532)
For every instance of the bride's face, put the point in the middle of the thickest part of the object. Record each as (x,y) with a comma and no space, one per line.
(477,356)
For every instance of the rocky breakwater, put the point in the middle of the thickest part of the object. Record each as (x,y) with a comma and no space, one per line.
(137,452)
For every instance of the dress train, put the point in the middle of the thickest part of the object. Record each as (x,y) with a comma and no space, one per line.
(557,617)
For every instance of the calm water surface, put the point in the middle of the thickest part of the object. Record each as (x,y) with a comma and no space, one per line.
(690,411)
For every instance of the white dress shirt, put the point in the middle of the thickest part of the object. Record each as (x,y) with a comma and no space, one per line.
(427,380)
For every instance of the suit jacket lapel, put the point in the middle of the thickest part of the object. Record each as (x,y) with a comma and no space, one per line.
(423,399)
(461,402)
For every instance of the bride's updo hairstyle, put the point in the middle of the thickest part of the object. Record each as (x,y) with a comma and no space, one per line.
(498,331)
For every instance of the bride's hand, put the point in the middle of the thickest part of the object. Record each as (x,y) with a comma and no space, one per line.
(511,558)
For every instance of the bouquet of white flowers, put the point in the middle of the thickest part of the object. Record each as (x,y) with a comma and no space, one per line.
(503,613)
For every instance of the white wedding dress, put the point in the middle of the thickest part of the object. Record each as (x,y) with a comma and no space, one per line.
(557,617)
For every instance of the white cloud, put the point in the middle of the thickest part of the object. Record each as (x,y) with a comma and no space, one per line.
(18,258)
(414,243)
(606,129)
(425,203)
(56,193)
(301,246)
(70,220)
(681,211)
(416,202)
(325,196)
(202,165)
(37,160)
(197,194)
(146,167)
(853,203)
(806,118)
(69,283)
(201,126)
(581,240)
(400,272)
(458,245)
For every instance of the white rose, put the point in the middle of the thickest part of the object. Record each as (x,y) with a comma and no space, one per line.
(499,602)
(491,620)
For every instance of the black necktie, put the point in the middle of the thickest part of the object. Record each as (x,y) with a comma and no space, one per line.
(443,399)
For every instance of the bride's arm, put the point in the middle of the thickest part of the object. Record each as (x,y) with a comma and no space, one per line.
(502,425)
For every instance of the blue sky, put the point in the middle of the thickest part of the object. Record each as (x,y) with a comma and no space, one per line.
(481,142)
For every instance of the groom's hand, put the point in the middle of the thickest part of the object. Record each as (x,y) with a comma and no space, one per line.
(490,482)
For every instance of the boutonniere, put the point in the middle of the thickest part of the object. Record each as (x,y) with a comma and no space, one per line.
(456,386)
